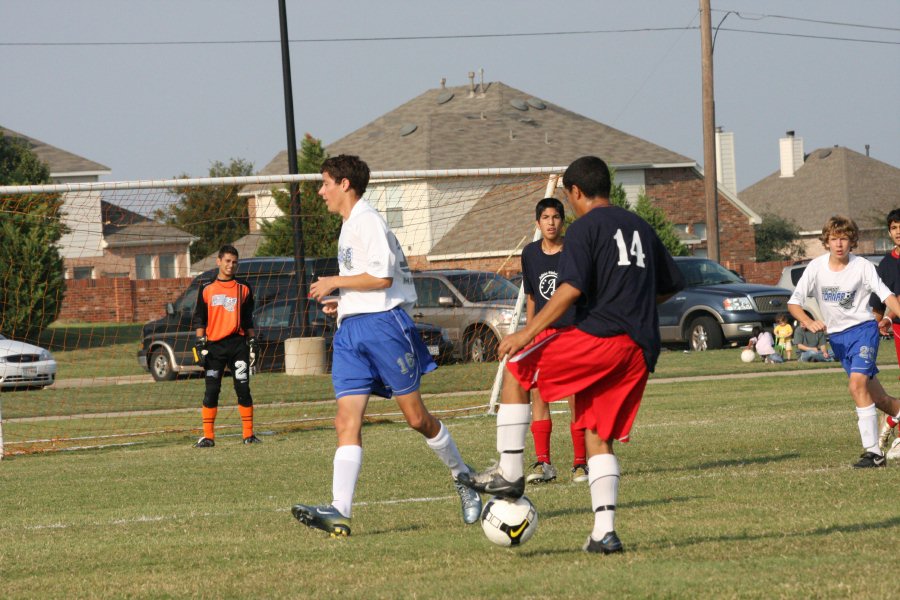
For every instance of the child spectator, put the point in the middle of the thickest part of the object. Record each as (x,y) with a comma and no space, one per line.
(783,334)
(764,345)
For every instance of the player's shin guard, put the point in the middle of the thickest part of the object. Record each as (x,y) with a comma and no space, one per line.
(541,432)
(246,413)
(347,464)
(578,449)
(603,475)
(512,427)
(209,422)
(444,446)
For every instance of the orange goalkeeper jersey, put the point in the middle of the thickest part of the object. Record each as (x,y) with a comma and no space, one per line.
(224,308)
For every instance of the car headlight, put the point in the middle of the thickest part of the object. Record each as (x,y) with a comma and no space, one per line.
(739,303)
(45,355)
(2,359)
(505,317)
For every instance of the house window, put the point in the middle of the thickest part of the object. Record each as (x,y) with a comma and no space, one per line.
(700,252)
(143,266)
(883,245)
(83,273)
(120,274)
(166,266)
(393,195)
(700,230)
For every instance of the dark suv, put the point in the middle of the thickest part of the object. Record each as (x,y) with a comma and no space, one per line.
(717,306)
(166,343)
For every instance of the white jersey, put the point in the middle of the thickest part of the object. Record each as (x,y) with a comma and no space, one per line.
(367,245)
(843,296)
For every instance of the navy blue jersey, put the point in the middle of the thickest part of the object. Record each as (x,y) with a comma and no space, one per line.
(617,262)
(539,272)
(889,272)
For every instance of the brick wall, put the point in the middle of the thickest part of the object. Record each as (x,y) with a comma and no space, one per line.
(680,193)
(119,300)
(767,273)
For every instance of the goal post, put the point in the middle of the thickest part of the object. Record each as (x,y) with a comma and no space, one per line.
(121,331)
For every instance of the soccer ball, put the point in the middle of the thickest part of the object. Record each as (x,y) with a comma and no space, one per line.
(748,355)
(509,522)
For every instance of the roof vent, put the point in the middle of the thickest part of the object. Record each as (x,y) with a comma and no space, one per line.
(825,153)
(518,104)
(445,98)
(408,128)
(536,104)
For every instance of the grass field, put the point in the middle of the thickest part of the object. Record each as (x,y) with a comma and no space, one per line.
(730,488)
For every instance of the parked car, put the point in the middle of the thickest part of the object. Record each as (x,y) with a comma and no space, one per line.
(790,275)
(166,343)
(25,365)
(717,306)
(475,307)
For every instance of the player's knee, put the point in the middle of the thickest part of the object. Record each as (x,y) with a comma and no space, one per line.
(424,423)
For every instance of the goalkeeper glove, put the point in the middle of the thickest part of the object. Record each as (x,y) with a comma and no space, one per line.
(254,352)
(200,351)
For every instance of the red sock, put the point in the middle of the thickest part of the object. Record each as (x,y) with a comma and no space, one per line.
(578,445)
(209,422)
(541,431)
(891,421)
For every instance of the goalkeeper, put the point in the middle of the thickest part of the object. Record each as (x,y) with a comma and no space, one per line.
(224,322)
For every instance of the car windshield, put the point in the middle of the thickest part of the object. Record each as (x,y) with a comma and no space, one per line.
(706,272)
(484,287)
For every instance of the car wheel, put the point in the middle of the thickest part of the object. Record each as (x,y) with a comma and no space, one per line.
(482,346)
(161,366)
(704,334)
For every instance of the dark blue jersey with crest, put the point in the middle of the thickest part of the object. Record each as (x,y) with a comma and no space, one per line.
(618,263)
(539,272)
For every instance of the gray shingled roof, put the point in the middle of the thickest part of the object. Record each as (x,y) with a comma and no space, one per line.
(60,162)
(486,130)
(831,181)
(122,227)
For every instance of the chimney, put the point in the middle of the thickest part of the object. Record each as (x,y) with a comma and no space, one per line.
(471,84)
(725,162)
(791,151)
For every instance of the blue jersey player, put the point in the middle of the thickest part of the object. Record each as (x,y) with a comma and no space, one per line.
(377,349)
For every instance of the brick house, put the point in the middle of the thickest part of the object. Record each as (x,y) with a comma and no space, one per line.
(495,125)
(809,188)
(106,240)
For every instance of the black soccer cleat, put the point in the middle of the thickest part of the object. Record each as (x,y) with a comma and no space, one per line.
(252,440)
(492,482)
(205,442)
(608,545)
(325,517)
(869,460)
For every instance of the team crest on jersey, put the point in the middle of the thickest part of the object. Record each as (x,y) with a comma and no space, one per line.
(834,295)
(345,257)
(225,301)
(548,284)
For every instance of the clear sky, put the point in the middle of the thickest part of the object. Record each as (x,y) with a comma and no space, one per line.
(155,108)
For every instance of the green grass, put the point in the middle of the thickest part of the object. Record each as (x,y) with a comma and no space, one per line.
(737,488)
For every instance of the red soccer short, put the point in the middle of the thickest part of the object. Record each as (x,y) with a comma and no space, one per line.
(607,376)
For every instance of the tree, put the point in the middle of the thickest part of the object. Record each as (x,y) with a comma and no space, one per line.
(320,228)
(645,209)
(778,238)
(32,272)
(215,214)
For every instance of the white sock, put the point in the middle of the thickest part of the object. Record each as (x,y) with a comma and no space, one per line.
(603,475)
(444,446)
(512,427)
(347,463)
(867,421)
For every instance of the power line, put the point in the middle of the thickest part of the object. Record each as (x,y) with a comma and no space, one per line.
(761,16)
(440,37)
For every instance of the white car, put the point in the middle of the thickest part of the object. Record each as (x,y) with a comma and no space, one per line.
(25,365)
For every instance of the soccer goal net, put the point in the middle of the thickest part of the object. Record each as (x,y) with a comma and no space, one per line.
(99,281)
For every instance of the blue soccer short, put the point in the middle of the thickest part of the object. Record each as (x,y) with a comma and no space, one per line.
(379,353)
(857,348)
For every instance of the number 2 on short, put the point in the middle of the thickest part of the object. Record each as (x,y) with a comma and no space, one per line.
(637,250)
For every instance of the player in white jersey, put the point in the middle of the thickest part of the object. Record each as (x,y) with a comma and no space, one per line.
(842,283)
(377,349)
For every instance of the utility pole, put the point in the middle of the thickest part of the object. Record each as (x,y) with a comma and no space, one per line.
(709,133)
(299,253)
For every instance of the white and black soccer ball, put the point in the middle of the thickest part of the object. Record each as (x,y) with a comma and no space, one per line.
(509,522)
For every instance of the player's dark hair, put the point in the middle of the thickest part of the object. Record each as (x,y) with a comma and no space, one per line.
(546,203)
(591,175)
(228,249)
(893,217)
(349,167)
